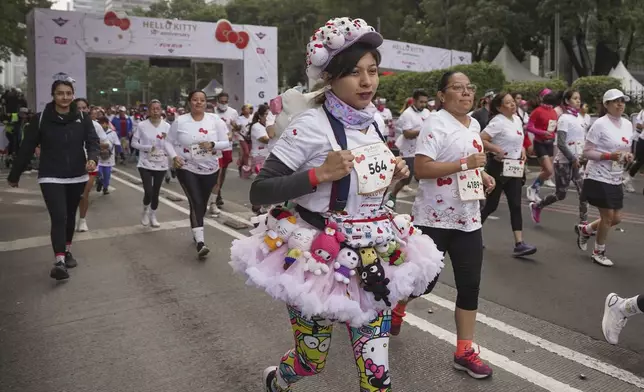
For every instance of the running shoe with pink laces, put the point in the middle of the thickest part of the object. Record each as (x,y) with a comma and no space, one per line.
(472,364)
(535,212)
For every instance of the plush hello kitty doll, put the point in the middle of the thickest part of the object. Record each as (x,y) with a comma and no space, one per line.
(275,238)
(299,245)
(345,265)
(325,249)
(403,227)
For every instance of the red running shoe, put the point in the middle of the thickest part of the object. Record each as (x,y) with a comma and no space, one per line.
(472,364)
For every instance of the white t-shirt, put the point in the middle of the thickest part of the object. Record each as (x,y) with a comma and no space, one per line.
(186,134)
(270,121)
(145,137)
(586,120)
(386,115)
(507,134)
(410,120)
(305,144)
(575,135)
(230,117)
(242,122)
(100,132)
(639,119)
(258,149)
(445,139)
(113,138)
(608,138)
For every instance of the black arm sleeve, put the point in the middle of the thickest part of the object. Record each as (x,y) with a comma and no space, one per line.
(563,146)
(92,142)
(277,183)
(26,151)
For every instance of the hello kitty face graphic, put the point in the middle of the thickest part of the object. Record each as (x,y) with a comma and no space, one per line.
(99,37)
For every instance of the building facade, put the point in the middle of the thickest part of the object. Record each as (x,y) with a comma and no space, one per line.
(14,71)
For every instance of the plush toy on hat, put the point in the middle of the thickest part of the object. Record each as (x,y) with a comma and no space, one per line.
(325,249)
(275,238)
(345,264)
(336,35)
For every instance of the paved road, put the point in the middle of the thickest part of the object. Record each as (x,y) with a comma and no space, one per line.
(142,314)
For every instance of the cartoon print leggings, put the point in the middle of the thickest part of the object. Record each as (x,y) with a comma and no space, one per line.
(313,340)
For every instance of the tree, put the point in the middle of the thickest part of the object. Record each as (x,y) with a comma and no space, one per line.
(481,27)
(13,28)
(612,29)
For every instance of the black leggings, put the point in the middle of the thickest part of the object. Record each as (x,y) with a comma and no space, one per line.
(152,180)
(62,202)
(465,250)
(511,186)
(639,158)
(197,188)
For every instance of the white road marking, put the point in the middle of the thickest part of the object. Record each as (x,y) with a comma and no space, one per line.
(30,202)
(182,197)
(35,242)
(554,348)
(499,360)
(20,191)
(522,371)
(177,207)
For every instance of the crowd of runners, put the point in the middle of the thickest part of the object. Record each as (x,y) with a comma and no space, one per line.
(325,182)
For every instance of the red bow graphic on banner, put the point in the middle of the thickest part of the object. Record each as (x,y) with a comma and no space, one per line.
(201,130)
(441,181)
(112,19)
(225,33)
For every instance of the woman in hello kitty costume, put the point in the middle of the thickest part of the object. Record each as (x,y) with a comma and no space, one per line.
(313,166)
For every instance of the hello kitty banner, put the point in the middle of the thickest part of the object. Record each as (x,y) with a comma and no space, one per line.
(60,42)
(418,58)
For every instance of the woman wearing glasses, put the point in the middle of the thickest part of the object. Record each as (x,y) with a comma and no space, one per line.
(607,149)
(449,164)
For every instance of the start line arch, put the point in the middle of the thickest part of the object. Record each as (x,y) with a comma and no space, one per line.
(59,42)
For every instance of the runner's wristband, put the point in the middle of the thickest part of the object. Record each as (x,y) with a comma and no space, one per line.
(464,164)
(606,156)
(313,179)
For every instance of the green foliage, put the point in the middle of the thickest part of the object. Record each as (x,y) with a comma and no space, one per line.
(530,90)
(398,87)
(13,28)
(592,88)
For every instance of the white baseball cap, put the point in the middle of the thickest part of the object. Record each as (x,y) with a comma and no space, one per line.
(614,94)
(122,109)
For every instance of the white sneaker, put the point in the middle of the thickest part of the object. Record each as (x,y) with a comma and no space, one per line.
(549,183)
(214,210)
(628,183)
(145,217)
(268,378)
(614,320)
(533,194)
(601,259)
(153,219)
(82,226)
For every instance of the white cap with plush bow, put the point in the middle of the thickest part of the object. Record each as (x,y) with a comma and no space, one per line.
(335,36)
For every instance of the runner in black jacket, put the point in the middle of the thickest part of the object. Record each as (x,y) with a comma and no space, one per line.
(68,150)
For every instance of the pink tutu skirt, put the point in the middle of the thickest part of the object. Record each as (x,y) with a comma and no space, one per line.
(322,295)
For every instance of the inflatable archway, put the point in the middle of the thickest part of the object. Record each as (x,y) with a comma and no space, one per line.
(59,42)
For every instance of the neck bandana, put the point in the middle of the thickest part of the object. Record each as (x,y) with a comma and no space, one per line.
(350,117)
